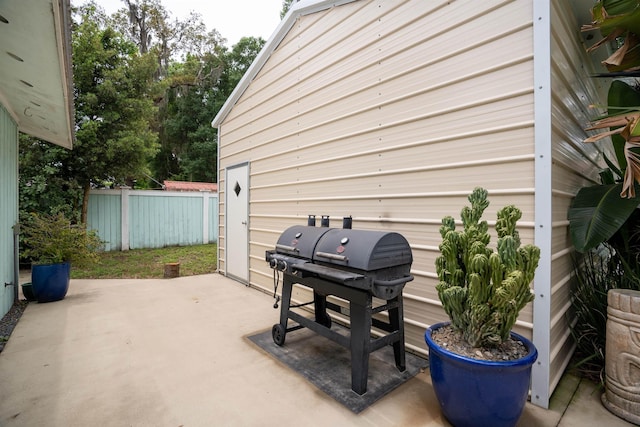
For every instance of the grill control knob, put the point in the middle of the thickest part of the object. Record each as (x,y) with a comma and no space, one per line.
(298,234)
(344,240)
(278,264)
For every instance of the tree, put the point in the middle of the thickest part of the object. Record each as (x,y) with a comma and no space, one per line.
(114,88)
(127,111)
(150,27)
(198,88)
(185,117)
(286,5)
(190,64)
(44,186)
(240,59)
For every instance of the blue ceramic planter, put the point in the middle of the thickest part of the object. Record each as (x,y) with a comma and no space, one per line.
(50,282)
(477,392)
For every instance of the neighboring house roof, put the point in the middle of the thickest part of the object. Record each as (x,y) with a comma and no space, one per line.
(36,83)
(301,8)
(190,186)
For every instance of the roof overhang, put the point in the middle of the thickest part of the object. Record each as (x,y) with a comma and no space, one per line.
(36,80)
(300,8)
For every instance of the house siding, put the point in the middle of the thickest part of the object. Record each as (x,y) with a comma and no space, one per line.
(574,165)
(8,206)
(392,112)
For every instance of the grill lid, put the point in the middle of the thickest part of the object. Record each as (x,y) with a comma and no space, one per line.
(366,250)
(300,241)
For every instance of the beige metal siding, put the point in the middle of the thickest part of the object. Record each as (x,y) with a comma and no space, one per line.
(574,163)
(392,112)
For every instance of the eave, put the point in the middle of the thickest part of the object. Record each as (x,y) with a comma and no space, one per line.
(36,83)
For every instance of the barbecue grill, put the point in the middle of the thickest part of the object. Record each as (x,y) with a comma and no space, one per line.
(355,265)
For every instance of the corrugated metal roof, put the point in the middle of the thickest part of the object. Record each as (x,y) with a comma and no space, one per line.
(190,186)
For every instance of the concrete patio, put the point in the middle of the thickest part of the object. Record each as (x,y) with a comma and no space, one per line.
(173,352)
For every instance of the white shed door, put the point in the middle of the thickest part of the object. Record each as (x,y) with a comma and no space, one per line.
(237,222)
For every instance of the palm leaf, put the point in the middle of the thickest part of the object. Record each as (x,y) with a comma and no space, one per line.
(611,170)
(611,15)
(622,95)
(617,20)
(596,213)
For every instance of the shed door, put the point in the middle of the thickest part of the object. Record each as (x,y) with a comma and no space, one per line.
(237,222)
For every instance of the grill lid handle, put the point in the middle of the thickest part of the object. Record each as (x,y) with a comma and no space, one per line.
(393,282)
(331,256)
(287,248)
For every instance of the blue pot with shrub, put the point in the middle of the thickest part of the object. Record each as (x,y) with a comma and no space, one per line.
(53,243)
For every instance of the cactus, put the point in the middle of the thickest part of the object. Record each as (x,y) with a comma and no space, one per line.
(483,290)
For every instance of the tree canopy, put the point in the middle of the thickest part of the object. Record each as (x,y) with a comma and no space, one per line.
(114,90)
(147,87)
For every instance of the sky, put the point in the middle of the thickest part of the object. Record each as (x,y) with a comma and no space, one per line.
(233,19)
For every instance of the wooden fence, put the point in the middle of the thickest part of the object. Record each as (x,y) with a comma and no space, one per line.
(133,219)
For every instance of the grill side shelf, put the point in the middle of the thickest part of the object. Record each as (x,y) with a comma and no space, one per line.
(332,274)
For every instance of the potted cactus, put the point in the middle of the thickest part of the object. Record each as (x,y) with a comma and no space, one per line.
(484,379)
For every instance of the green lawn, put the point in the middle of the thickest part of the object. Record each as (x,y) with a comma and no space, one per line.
(149,263)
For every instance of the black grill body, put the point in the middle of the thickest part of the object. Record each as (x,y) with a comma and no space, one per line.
(355,265)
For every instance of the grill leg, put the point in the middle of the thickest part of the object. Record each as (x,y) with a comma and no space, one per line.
(360,344)
(320,309)
(287,285)
(396,316)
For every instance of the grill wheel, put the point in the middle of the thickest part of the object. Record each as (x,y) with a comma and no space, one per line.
(278,334)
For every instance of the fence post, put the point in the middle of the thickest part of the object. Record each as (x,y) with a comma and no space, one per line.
(124,217)
(205,217)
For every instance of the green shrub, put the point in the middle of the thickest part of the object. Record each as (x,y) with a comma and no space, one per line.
(51,239)
(599,271)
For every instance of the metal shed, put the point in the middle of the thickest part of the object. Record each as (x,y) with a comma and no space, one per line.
(392,112)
